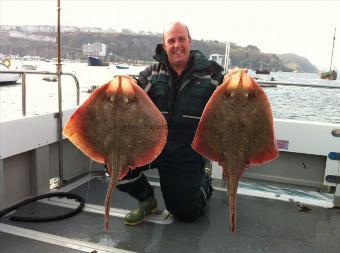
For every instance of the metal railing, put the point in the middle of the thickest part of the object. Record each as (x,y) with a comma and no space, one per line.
(275,83)
(58,115)
(23,74)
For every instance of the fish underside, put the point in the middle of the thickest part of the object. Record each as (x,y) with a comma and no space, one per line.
(120,126)
(236,130)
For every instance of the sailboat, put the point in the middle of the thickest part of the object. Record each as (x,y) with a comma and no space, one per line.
(331,74)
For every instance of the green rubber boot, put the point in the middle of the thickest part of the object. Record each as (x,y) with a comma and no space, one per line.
(146,207)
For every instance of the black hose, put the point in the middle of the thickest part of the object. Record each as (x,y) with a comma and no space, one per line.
(51,218)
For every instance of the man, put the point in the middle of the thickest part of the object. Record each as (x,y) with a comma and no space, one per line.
(180,85)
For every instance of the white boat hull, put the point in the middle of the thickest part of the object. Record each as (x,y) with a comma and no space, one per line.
(8,78)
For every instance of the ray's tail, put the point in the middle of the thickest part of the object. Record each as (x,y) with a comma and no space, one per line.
(108,198)
(232,181)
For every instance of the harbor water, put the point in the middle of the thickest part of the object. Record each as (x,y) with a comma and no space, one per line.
(288,102)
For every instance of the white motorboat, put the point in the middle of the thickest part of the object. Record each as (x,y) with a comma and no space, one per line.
(6,78)
(29,67)
(50,78)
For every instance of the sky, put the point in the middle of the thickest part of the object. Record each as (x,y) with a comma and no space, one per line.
(304,27)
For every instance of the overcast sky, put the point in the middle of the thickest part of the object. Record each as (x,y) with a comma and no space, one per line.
(305,27)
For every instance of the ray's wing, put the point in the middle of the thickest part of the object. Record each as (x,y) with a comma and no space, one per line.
(262,143)
(118,113)
(78,127)
(228,124)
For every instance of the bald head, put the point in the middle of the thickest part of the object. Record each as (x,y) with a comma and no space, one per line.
(172,25)
(177,45)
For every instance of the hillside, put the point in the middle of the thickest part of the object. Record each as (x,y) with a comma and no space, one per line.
(124,47)
(294,61)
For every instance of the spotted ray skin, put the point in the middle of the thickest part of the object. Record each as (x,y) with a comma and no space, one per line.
(118,125)
(236,130)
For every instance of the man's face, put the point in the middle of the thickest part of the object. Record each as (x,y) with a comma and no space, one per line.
(177,45)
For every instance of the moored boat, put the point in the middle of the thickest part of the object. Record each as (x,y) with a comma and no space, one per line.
(6,78)
(122,66)
(262,71)
(50,77)
(95,61)
(29,67)
(92,88)
(331,74)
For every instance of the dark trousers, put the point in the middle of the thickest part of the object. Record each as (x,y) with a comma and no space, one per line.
(184,184)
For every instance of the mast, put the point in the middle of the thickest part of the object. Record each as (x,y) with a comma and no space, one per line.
(226,57)
(330,67)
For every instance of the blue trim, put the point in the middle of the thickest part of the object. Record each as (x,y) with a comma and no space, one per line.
(334,156)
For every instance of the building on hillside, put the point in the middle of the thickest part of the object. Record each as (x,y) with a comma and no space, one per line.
(7,28)
(38,28)
(94,49)
(69,29)
(91,29)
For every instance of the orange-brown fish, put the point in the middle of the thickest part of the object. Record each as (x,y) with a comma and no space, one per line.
(236,130)
(118,125)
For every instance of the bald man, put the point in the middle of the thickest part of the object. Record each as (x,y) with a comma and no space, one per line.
(180,84)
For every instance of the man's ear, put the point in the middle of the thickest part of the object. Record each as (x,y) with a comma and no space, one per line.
(163,44)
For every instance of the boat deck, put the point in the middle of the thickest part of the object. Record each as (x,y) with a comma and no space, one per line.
(263,225)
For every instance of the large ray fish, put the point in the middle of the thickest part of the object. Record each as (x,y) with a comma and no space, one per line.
(236,130)
(118,125)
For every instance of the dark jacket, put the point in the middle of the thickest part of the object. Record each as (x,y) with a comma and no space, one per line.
(183,112)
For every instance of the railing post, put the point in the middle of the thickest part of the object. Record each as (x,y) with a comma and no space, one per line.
(60,100)
(23,93)
(60,127)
